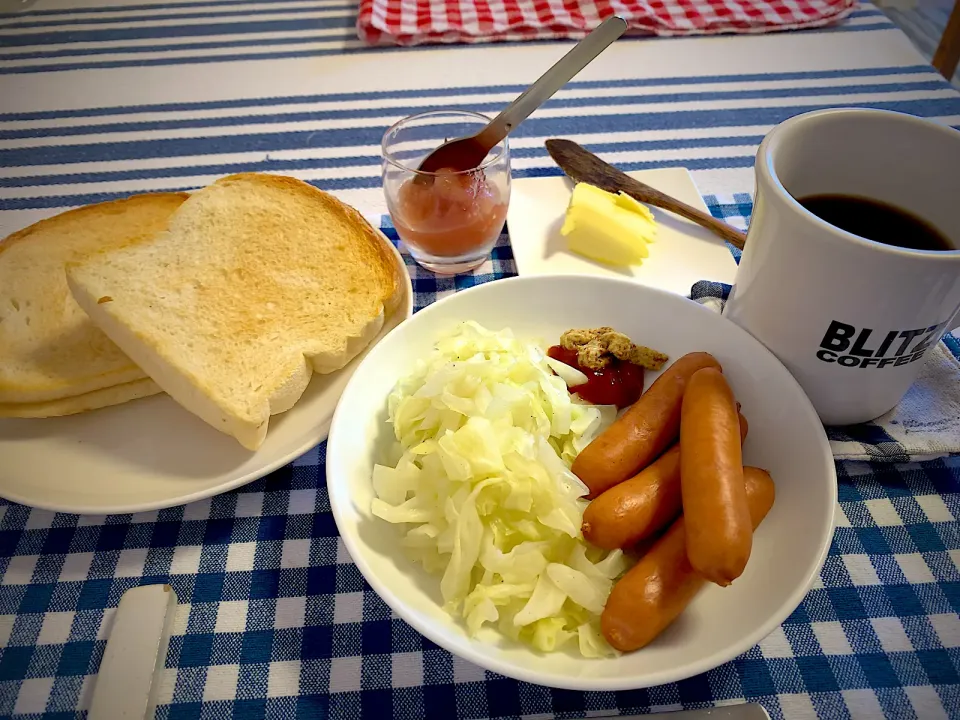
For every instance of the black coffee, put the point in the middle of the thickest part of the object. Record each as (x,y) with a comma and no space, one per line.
(876,221)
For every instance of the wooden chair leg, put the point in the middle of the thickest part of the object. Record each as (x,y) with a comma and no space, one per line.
(947,56)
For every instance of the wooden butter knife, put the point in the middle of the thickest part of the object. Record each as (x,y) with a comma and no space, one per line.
(581,165)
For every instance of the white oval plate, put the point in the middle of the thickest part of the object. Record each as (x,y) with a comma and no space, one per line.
(151,453)
(786,437)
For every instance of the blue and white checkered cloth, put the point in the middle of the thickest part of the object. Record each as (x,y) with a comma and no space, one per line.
(275,620)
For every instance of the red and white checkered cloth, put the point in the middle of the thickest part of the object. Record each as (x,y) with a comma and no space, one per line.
(416,22)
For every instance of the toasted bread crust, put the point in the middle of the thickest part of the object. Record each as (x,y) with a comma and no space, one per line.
(49,349)
(89,212)
(95,400)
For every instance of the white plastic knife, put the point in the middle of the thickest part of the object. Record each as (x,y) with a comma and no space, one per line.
(126,686)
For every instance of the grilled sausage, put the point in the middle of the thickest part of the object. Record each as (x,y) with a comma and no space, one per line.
(644,431)
(641,506)
(654,592)
(711,479)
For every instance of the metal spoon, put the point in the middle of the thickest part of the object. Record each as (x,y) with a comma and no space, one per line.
(468,152)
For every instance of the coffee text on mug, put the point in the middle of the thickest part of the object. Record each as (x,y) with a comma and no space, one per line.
(865,348)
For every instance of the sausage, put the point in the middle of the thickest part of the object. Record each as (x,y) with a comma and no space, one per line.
(644,431)
(711,479)
(630,511)
(641,506)
(654,592)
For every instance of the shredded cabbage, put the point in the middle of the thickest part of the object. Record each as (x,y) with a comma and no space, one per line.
(486,433)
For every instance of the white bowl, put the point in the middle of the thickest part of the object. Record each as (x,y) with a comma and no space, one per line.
(785,437)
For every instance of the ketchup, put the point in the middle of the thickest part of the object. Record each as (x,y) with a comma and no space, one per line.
(619,383)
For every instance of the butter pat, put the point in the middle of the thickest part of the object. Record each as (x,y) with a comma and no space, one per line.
(609,228)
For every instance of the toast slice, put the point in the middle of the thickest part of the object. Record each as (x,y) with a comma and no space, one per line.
(49,349)
(259,281)
(82,403)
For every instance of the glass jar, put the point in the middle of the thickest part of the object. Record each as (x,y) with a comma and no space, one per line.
(449,220)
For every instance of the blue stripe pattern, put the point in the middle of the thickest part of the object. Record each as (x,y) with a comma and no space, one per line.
(336,49)
(225,27)
(64,134)
(454,92)
(165,32)
(178,16)
(483,107)
(290,166)
(40,12)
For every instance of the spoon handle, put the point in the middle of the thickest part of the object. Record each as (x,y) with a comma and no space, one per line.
(552,80)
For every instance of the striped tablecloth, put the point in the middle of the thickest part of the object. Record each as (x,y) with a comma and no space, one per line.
(105,98)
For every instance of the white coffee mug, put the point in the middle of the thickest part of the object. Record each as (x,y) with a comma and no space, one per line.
(851,318)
